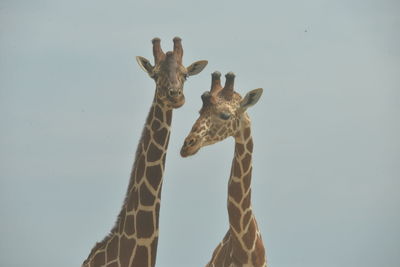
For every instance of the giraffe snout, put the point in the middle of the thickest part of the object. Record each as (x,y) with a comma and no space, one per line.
(175,97)
(190,142)
(172,92)
(190,146)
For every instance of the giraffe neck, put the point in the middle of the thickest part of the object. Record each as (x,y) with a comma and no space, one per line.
(244,236)
(239,190)
(134,238)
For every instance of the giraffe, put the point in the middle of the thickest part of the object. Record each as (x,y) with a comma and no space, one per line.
(134,237)
(223,114)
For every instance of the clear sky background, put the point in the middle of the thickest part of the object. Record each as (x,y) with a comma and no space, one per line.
(73,102)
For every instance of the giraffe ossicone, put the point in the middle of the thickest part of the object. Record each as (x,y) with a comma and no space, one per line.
(133,239)
(222,115)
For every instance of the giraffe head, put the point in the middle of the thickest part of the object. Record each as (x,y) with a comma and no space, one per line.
(169,73)
(223,114)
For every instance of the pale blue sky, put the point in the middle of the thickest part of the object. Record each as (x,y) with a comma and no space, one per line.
(326,131)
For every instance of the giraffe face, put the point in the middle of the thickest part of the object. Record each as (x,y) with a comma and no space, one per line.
(215,123)
(223,114)
(169,73)
(170,76)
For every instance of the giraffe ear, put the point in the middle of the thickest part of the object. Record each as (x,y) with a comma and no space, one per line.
(196,67)
(145,65)
(251,98)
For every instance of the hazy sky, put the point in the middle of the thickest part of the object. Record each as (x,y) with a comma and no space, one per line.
(73,102)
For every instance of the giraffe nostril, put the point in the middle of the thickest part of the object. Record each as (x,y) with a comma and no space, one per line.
(191,142)
(173,92)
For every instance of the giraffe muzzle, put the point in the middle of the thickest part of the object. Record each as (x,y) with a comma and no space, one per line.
(190,147)
(174,92)
(175,97)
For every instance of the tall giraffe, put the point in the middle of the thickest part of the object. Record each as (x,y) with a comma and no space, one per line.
(224,114)
(133,240)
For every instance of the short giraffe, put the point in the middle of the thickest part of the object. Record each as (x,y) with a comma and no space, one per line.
(133,240)
(223,114)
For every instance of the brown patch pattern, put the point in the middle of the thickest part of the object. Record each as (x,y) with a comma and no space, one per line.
(154,153)
(146,138)
(250,235)
(157,211)
(141,257)
(258,256)
(146,197)
(246,133)
(133,199)
(236,168)
(130,227)
(154,175)
(168,114)
(155,126)
(153,251)
(246,162)
(249,145)
(112,249)
(99,259)
(246,181)
(159,114)
(144,221)
(239,148)
(235,191)
(239,253)
(126,247)
(246,218)
(246,202)
(160,136)
(122,220)
(234,213)
(140,168)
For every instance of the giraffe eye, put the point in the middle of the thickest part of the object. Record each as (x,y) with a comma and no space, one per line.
(185,76)
(224,115)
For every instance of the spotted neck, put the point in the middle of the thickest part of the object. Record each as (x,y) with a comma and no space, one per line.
(133,240)
(242,244)
(239,190)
